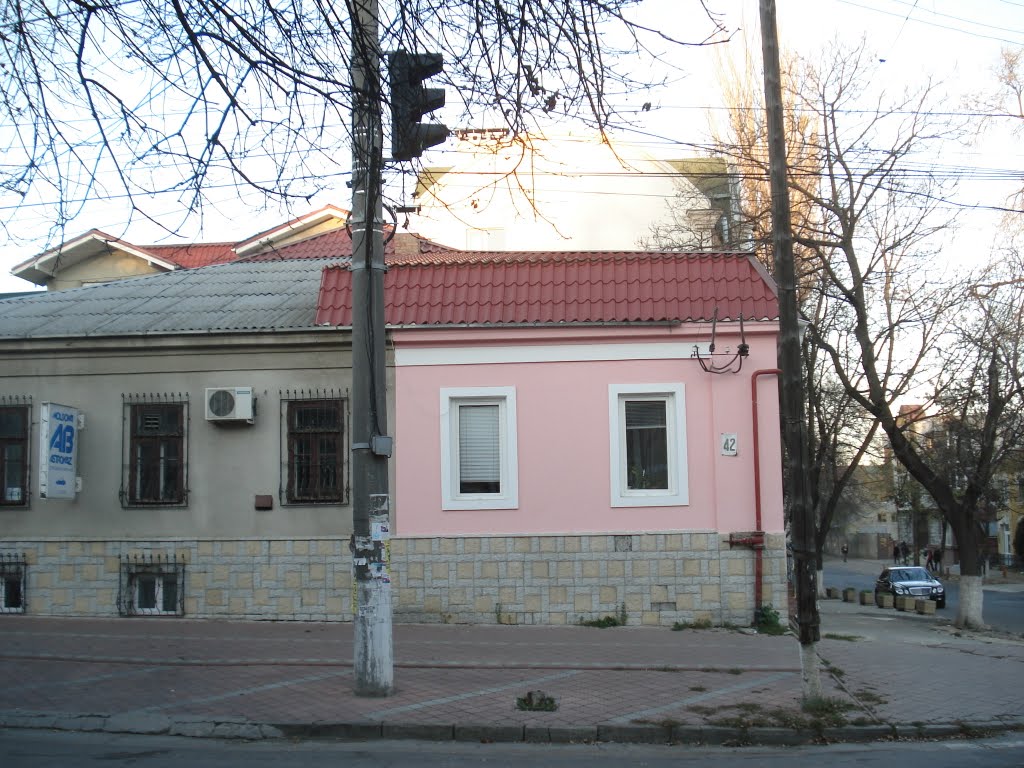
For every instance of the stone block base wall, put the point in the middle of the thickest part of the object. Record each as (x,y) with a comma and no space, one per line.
(656,579)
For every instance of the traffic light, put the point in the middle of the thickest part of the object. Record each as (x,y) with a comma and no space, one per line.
(410,101)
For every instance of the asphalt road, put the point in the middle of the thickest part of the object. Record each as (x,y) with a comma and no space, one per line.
(1003,607)
(47,749)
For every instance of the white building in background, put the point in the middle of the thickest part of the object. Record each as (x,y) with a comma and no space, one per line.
(571,192)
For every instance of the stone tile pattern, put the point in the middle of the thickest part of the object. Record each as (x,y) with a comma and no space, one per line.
(657,578)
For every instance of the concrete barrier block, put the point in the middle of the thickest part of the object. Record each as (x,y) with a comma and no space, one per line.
(883,600)
(904,603)
(867,597)
(832,593)
(924,607)
(849,595)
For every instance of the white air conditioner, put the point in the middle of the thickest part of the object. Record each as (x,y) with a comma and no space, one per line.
(229,404)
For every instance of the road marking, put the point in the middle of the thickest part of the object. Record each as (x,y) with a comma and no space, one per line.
(701,697)
(471,694)
(245,691)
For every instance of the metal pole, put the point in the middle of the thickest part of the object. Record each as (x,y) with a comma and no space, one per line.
(374,658)
(792,395)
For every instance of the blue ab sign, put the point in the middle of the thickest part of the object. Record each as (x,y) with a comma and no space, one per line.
(58,428)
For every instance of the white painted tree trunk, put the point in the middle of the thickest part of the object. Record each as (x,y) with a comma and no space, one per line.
(971,601)
(820,581)
(810,672)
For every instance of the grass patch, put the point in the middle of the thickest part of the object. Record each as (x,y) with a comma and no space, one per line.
(767,621)
(536,701)
(813,716)
(870,697)
(607,621)
(837,636)
(699,624)
(828,712)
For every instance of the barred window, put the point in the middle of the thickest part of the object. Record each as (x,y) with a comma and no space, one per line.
(152,586)
(156,456)
(14,425)
(316,451)
(12,583)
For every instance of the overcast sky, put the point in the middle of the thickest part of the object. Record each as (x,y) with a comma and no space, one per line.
(956,41)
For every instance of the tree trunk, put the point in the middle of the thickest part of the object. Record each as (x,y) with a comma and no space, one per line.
(969,539)
(809,672)
(821,581)
(968,615)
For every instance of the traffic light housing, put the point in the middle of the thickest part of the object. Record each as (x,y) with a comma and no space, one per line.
(410,100)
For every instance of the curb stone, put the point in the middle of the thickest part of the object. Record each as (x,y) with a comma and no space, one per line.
(489,733)
(196,727)
(778,737)
(342,731)
(572,734)
(718,735)
(635,734)
(418,731)
(137,722)
(859,733)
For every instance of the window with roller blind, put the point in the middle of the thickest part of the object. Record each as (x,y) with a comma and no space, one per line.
(648,441)
(479,467)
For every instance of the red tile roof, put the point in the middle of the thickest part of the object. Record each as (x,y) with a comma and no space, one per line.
(192,255)
(541,288)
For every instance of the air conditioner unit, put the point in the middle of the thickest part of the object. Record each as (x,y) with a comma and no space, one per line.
(226,404)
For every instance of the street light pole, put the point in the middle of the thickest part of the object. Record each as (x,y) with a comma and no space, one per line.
(371,447)
(792,379)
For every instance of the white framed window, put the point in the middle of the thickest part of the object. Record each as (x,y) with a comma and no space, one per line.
(479,456)
(647,427)
(155,593)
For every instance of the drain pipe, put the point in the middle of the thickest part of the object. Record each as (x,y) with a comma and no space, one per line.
(759,532)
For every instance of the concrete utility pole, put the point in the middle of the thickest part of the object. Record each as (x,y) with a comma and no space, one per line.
(792,395)
(371,447)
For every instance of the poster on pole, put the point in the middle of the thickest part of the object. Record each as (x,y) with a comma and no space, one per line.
(58,451)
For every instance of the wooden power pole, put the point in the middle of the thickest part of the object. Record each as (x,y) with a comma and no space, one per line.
(792,396)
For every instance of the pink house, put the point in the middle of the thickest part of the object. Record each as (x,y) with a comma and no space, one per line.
(567,445)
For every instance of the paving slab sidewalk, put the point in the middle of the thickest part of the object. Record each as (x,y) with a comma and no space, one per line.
(270,679)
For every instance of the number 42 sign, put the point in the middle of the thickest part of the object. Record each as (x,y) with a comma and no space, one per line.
(58,449)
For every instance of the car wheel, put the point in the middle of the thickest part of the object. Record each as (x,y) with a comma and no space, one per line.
(940,603)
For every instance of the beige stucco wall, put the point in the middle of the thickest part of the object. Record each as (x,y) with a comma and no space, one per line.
(228,465)
(116,265)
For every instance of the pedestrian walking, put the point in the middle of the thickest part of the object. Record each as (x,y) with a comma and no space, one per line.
(929,562)
(845,550)
(904,552)
(895,554)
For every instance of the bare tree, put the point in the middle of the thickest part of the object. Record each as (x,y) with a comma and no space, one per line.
(130,100)
(838,431)
(743,140)
(874,245)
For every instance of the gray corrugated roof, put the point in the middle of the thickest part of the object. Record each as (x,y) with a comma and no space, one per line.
(238,296)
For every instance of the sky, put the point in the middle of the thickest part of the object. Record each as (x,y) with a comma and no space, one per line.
(953,41)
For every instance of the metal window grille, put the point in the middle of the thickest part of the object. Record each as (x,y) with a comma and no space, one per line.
(15,433)
(315,448)
(155,450)
(151,586)
(13,582)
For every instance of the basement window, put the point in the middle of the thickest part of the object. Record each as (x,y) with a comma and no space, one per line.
(152,587)
(12,583)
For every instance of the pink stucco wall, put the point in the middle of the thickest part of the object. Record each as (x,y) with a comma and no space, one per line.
(563,433)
